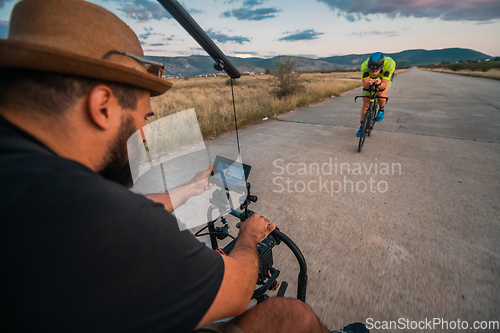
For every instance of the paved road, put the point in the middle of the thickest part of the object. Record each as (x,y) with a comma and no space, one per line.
(424,240)
(427,103)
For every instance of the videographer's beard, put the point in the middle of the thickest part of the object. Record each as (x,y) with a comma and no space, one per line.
(116,166)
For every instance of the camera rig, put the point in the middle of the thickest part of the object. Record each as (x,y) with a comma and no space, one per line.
(228,176)
(267,279)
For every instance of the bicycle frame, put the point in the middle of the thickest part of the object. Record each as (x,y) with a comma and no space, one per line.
(370,115)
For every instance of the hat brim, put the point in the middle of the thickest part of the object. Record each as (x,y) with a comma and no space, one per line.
(19,54)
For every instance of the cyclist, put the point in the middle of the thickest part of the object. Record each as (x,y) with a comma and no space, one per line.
(377,69)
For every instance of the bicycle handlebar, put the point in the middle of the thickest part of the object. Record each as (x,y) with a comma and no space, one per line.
(373,90)
(386,98)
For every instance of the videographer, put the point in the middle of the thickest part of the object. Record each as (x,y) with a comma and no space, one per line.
(80,252)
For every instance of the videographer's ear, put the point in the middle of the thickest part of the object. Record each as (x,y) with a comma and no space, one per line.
(101,108)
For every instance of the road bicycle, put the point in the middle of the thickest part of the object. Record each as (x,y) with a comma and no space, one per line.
(370,115)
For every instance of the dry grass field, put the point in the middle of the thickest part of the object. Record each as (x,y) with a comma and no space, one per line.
(211,98)
(491,74)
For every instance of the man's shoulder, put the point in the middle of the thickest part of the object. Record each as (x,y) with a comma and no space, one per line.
(54,187)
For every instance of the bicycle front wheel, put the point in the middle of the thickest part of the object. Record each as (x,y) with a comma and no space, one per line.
(364,130)
(373,117)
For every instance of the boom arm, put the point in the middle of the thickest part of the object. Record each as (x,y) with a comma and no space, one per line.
(190,25)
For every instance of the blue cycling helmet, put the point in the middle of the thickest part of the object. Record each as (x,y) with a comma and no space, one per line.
(376,61)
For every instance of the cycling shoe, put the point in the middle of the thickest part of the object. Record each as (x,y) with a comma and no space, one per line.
(358,134)
(380,116)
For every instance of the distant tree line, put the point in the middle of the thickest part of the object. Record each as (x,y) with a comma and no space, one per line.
(473,65)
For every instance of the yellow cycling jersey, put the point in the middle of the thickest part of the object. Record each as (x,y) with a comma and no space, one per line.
(385,74)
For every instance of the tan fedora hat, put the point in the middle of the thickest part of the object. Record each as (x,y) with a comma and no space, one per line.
(73,37)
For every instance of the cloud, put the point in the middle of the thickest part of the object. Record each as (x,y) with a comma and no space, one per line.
(253,3)
(158,44)
(195,11)
(145,10)
(149,32)
(222,38)
(169,38)
(251,14)
(301,35)
(2,3)
(458,10)
(375,33)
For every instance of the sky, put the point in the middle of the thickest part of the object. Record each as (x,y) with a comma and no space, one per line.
(310,28)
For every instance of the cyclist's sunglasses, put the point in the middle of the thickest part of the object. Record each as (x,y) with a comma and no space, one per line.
(153,67)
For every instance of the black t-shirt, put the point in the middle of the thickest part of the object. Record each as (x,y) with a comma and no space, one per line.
(81,253)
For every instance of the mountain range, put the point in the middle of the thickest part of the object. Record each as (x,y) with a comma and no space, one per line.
(199,65)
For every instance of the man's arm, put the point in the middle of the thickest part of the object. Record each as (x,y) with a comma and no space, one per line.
(241,268)
(179,195)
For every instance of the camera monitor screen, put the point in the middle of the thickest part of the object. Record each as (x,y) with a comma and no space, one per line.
(230,174)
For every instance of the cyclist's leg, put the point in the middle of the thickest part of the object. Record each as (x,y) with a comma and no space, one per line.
(381,103)
(366,104)
(383,93)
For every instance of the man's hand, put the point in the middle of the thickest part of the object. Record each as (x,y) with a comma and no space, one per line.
(256,227)
(376,81)
(182,193)
(241,268)
(199,183)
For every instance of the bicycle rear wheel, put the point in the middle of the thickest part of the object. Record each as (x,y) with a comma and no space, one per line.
(364,130)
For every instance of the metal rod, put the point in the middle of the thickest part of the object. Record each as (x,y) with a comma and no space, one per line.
(190,25)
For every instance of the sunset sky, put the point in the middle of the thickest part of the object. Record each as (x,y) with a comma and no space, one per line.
(311,28)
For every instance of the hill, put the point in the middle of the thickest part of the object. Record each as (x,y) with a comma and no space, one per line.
(198,65)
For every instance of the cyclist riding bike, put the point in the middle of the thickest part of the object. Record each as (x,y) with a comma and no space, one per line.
(379,70)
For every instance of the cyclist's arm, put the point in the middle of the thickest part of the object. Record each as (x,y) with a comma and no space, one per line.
(366,83)
(365,78)
(384,84)
(388,72)
(241,267)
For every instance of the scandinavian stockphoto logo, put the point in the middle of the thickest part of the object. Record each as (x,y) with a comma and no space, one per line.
(332,177)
